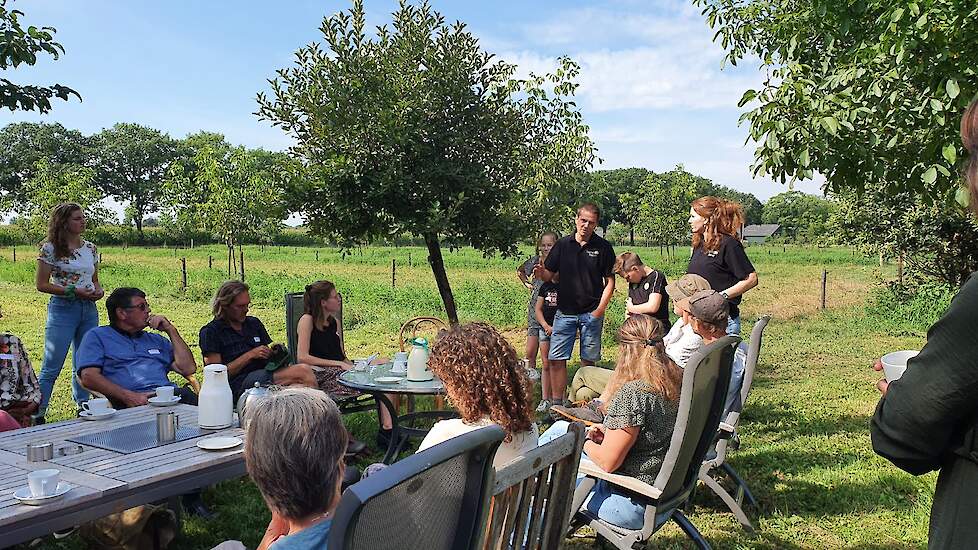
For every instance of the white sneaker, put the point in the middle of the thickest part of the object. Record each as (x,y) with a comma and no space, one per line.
(544,406)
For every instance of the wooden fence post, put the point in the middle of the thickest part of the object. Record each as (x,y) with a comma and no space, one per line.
(183,269)
(409,260)
(210,262)
(242,266)
(15,253)
(825,275)
(393,273)
(317,254)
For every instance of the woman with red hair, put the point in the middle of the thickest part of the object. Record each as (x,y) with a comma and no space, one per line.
(718,255)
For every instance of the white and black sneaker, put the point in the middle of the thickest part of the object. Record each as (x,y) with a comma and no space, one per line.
(543,407)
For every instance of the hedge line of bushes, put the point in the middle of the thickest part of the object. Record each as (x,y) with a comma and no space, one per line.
(118,235)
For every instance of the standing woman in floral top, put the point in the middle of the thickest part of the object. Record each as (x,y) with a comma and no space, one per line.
(67,268)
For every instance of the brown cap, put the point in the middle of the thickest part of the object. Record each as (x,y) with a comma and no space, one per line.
(686,286)
(709,306)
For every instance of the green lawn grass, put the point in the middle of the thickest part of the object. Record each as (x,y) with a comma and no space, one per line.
(806,451)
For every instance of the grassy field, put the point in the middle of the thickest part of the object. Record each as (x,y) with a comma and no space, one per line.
(806,451)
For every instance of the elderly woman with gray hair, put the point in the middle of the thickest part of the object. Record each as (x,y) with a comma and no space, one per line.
(294,452)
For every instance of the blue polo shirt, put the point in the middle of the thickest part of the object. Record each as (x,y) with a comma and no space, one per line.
(137,362)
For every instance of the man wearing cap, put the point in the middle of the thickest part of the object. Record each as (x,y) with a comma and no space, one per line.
(709,312)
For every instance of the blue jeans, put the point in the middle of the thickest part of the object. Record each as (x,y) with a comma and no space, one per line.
(68,321)
(605,500)
(565,329)
(733,326)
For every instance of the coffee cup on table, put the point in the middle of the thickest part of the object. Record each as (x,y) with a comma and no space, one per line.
(165,393)
(43,482)
(359,365)
(96,405)
(895,363)
(401,357)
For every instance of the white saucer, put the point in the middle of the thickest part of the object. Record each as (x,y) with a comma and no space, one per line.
(219,443)
(88,415)
(25,496)
(157,402)
(388,379)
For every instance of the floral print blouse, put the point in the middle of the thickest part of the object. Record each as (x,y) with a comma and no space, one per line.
(78,269)
(17,379)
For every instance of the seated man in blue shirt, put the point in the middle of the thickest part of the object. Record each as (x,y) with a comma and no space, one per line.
(124,362)
(708,311)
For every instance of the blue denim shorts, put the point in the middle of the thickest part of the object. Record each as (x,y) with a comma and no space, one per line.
(565,332)
(544,337)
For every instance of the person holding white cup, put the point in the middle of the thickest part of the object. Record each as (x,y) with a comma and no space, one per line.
(927,419)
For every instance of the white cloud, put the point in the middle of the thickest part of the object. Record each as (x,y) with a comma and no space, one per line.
(670,60)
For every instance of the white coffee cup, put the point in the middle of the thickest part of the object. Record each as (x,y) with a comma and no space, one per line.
(43,482)
(96,405)
(401,357)
(399,366)
(895,363)
(165,393)
(359,365)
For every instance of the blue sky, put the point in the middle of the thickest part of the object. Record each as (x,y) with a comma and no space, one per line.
(652,88)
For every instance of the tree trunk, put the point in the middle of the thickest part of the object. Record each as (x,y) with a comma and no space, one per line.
(631,235)
(438,269)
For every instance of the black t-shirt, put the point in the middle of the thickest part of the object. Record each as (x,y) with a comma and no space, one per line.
(548,291)
(218,336)
(722,268)
(654,282)
(583,270)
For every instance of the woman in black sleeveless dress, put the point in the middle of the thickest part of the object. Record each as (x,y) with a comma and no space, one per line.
(320,343)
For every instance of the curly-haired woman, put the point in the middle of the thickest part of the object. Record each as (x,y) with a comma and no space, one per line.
(67,268)
(487,383)
(718,256)
(638,423)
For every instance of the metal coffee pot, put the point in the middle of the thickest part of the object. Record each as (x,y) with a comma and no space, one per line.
(248,398)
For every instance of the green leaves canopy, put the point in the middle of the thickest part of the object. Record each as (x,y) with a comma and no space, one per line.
(867,93)
(20,46)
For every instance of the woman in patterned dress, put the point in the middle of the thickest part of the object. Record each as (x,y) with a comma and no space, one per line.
(20,394)
(67,269)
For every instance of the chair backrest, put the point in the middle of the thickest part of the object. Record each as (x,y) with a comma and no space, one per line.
(412,326)
(706,379)
(753,351)
(437,499)
(294,308)
(533,494)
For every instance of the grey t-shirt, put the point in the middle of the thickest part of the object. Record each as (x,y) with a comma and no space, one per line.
(637,404)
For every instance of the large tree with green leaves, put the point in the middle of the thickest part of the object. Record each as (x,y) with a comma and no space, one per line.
(233,192)
(24,144)
(867,93)
(131,162)
(52,184)
(800,215)
(20,46)
(418,130)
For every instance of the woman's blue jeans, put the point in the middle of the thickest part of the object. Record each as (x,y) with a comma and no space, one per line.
(605,500)
(68,321)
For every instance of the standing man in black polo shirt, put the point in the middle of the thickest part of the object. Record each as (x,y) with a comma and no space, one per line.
(585,263)
(240,341)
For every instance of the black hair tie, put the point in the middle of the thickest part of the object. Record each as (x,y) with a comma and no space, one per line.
(651,342)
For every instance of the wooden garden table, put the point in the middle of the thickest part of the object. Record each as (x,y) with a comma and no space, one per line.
(106,481)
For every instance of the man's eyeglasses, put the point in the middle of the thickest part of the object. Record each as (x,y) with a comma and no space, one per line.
(141,306)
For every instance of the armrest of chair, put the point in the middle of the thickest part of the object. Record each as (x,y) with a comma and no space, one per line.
(591,469)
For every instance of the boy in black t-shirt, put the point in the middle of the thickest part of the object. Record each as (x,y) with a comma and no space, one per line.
(646,288)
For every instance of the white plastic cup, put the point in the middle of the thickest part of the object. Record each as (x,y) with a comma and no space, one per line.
(359,365)
(165,393)
(401,357)
(895,363)
(43,482)
(96,405)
